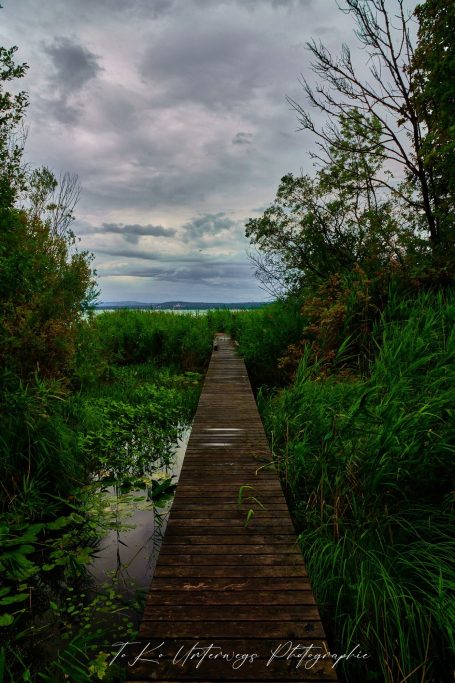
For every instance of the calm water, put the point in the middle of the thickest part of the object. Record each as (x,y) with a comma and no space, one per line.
(129,555)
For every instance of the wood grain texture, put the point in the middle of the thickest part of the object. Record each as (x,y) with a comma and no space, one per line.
(230,580)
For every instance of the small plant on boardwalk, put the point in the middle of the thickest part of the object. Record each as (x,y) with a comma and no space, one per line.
(250,500)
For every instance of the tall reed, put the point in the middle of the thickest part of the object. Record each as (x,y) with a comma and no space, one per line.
(369,466)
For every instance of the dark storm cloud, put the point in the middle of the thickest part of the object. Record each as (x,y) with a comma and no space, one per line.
(74,66)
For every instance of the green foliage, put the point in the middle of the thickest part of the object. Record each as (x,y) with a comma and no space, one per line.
(369,470)
(119,434)
(433,72)
(264,336)
(130,434)
(38,449)
(324,225)
(167,339)
(12,108)
(45,287)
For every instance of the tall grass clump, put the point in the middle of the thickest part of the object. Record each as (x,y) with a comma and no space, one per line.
(264,335)
(369,466)
(182,341)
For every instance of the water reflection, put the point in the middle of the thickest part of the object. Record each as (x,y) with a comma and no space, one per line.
(129,551)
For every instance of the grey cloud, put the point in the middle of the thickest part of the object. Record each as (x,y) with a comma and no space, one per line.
(131,253)
(242,139)
(220,66)
(208,224)
(172,147)
(159,8)
(132,233)
(204,273)
(74,66)
(143,8)
(188,260)
(252,4)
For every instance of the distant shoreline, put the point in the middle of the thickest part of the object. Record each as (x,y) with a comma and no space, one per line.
(179,305)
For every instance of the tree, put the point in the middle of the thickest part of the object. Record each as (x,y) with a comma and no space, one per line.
(433,79)
(53,201)
(45,285)
(45,282)
(384,97)
(12,137)
(337,220)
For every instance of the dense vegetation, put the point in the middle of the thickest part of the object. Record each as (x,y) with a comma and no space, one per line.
(112,421)
(353,368)
(367,462)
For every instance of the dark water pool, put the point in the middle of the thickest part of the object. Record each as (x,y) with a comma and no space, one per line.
(128,553)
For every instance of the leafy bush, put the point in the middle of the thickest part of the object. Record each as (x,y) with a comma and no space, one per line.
(45,287)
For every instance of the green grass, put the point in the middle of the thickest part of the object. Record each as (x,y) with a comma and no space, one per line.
(369,466)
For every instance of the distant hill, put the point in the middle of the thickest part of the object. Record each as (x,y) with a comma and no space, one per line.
(179,305)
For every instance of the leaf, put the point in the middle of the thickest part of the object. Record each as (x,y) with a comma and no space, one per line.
(6,619)
(19,597)
(249,516)
(241,492)
(59,523)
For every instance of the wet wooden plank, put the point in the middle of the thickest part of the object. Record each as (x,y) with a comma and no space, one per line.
(230,576)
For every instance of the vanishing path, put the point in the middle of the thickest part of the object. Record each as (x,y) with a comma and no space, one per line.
(227,579)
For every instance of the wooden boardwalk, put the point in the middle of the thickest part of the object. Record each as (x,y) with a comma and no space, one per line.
(230,599)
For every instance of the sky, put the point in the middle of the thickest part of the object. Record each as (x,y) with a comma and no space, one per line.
(173,114)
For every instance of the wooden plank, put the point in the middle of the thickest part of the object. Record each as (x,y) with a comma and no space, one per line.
(226,585)
(243,537)
(255,613)
(230,576)
(229,571)
(158,597)
(177,629)
(231,559)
